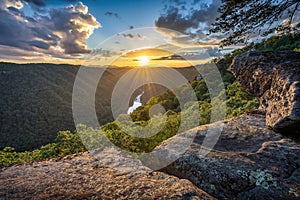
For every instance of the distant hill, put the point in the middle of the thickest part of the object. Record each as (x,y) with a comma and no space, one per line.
(36,101)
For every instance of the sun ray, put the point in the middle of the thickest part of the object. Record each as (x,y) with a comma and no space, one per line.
(143,60)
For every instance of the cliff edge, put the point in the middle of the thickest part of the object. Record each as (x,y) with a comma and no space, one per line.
(85,177)
(274,77)
(249,160)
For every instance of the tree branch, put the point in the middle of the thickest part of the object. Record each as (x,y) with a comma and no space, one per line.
(293,13)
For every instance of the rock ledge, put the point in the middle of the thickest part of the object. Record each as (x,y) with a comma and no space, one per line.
(274,77)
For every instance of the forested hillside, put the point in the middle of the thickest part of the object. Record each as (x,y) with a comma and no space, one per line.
(36,101)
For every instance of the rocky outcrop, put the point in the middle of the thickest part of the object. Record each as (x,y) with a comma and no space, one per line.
(249,161)
(274,77)
(84,177)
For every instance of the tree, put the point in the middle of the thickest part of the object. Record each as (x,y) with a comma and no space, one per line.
(241,19)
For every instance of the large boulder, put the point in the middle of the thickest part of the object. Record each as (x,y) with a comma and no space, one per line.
(274,77)
(249,161)
(84,177)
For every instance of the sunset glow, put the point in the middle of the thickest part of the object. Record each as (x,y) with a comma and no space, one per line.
(143,61)
(67,38)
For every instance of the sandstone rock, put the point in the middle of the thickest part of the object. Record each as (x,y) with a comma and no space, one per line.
(274,77)
(249,161)
(84,177)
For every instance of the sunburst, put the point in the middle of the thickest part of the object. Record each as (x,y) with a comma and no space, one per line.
(143,60)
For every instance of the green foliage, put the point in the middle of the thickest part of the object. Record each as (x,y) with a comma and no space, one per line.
(238,101)
(36,101)
(164,126)
(66,143)
(130,142)
(276,43)
(240,20)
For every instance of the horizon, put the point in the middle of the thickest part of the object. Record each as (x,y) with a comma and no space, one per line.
(68,32)
(109,66)
(163,99)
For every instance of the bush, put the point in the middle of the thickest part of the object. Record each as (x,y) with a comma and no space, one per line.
(66,143)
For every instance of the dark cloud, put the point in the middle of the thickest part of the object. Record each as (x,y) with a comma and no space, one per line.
(73,23)
(12,52)
(62,32)
(13,33)
(190,53)
(131,36)
(171,57)
(196,23)
(39,3)
(175,20)
(15,11)
(112,14)
(39,44)
(128,36)
(193,54)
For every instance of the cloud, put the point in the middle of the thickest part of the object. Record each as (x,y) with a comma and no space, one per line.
(132,36)
(200,53)
(189,27)
(112,14)
(13,54)
(214,52)
(176,19)
(191,53)
(171,57)
(140,36)
(39,3)
(128,36)
(62,32)
(39,44)
(104,53)
(18,4)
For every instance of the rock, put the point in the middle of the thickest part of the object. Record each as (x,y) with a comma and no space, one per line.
(274,77)
(249,161)
(84,177)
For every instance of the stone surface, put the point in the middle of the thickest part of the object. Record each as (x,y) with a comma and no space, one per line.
(274,77)
(84,177)
(249,161)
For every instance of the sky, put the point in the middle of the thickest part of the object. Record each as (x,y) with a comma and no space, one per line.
(108,32)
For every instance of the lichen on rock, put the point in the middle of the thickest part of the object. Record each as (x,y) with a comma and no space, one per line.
(263,179)
(274,77)
(263,166)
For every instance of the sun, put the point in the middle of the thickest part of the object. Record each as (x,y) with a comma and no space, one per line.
(143,60)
